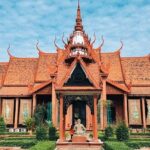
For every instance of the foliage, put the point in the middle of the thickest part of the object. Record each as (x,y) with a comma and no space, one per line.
(52,131)
(2,125)
(39,115)
(115,146)
(29,122)
(122,132)
(44,145)
(23,143)
(41,133)
(108,132)
(138,144)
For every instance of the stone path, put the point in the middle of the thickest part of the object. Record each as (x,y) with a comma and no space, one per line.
(10,148)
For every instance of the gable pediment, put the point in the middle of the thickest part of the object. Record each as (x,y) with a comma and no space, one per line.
(78,77)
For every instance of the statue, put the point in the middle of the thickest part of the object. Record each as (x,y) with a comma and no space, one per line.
(79,128)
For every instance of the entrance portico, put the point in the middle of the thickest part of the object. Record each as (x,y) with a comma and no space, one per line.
(76,98)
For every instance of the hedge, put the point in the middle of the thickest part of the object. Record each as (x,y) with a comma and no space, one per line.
(138,144)
(18,143)
(116,146)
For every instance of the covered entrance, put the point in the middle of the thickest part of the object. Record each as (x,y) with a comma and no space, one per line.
(79,112)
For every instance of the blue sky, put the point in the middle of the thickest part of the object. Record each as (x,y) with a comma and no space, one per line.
(23,22)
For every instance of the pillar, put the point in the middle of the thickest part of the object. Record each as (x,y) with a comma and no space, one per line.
(16,113)
(125,99)
(34,103)
(0,106)
(54,104)
(143,113)
(103,108)
(94,117)
(61,128)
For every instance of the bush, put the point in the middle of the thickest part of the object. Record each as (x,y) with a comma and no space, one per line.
(29,122)
(39,115)
(116,146)
(2,125)
(108,132)
(23,143)
(52,131)
(41,133)
(122,132)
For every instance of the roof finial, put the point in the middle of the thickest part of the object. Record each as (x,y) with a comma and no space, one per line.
(78,26)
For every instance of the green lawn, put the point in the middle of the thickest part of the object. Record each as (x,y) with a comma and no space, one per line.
(44,145)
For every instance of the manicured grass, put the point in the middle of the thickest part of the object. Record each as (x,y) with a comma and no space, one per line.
(44,145)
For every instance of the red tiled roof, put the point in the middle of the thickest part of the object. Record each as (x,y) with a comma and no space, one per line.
(136,70)
(46,66)
(3,69)
(14,91)
(115,70)
(21,71)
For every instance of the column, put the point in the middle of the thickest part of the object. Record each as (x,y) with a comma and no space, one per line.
(94,117)
(34,103)
(103,106)
(0,106)
(61,128)
(143,113)
(125,109)
(53,104)
(16,113)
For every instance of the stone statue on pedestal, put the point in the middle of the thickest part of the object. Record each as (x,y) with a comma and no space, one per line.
(79,128)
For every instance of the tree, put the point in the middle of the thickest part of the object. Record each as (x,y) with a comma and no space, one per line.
(39,115)
(2,125)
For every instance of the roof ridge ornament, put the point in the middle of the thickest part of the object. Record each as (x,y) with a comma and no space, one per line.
(78,25)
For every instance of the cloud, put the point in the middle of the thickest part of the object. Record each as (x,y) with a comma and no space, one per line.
(24,22)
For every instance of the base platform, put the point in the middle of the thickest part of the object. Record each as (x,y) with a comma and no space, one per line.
(79,145)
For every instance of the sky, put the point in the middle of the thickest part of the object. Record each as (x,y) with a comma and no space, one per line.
(23,22)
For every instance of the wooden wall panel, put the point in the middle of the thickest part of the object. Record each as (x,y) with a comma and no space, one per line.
(148,112)
(25,110)
(134,112)
(8,110)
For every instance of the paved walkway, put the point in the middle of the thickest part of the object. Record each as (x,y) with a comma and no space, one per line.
(10,148)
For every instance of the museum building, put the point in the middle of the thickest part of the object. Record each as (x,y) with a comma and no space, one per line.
(78,81)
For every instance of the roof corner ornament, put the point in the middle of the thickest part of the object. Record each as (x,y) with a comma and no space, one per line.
(94,39)
(37,44)
(55,43)
(63,40)
(121,45)
(102,42)
(8,51)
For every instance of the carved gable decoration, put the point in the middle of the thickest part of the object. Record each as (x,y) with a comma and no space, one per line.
(78,77)
(45,90)
(112,89)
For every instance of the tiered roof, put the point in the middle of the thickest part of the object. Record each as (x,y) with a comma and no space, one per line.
(24,76)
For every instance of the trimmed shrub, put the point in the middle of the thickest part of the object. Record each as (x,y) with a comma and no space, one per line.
(52,133)
(108,132)
(41,133)
(122,132)
(39,115)
(2,125)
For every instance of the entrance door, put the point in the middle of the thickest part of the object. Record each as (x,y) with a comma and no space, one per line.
(79,112)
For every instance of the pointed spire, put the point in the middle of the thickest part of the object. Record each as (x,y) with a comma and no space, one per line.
(78,26)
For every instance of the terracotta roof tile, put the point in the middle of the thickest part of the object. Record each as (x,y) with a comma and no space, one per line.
(140,90)
(3,69)
(13,91)
(115,71)
(136,70)
(46,66)
(21,71)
